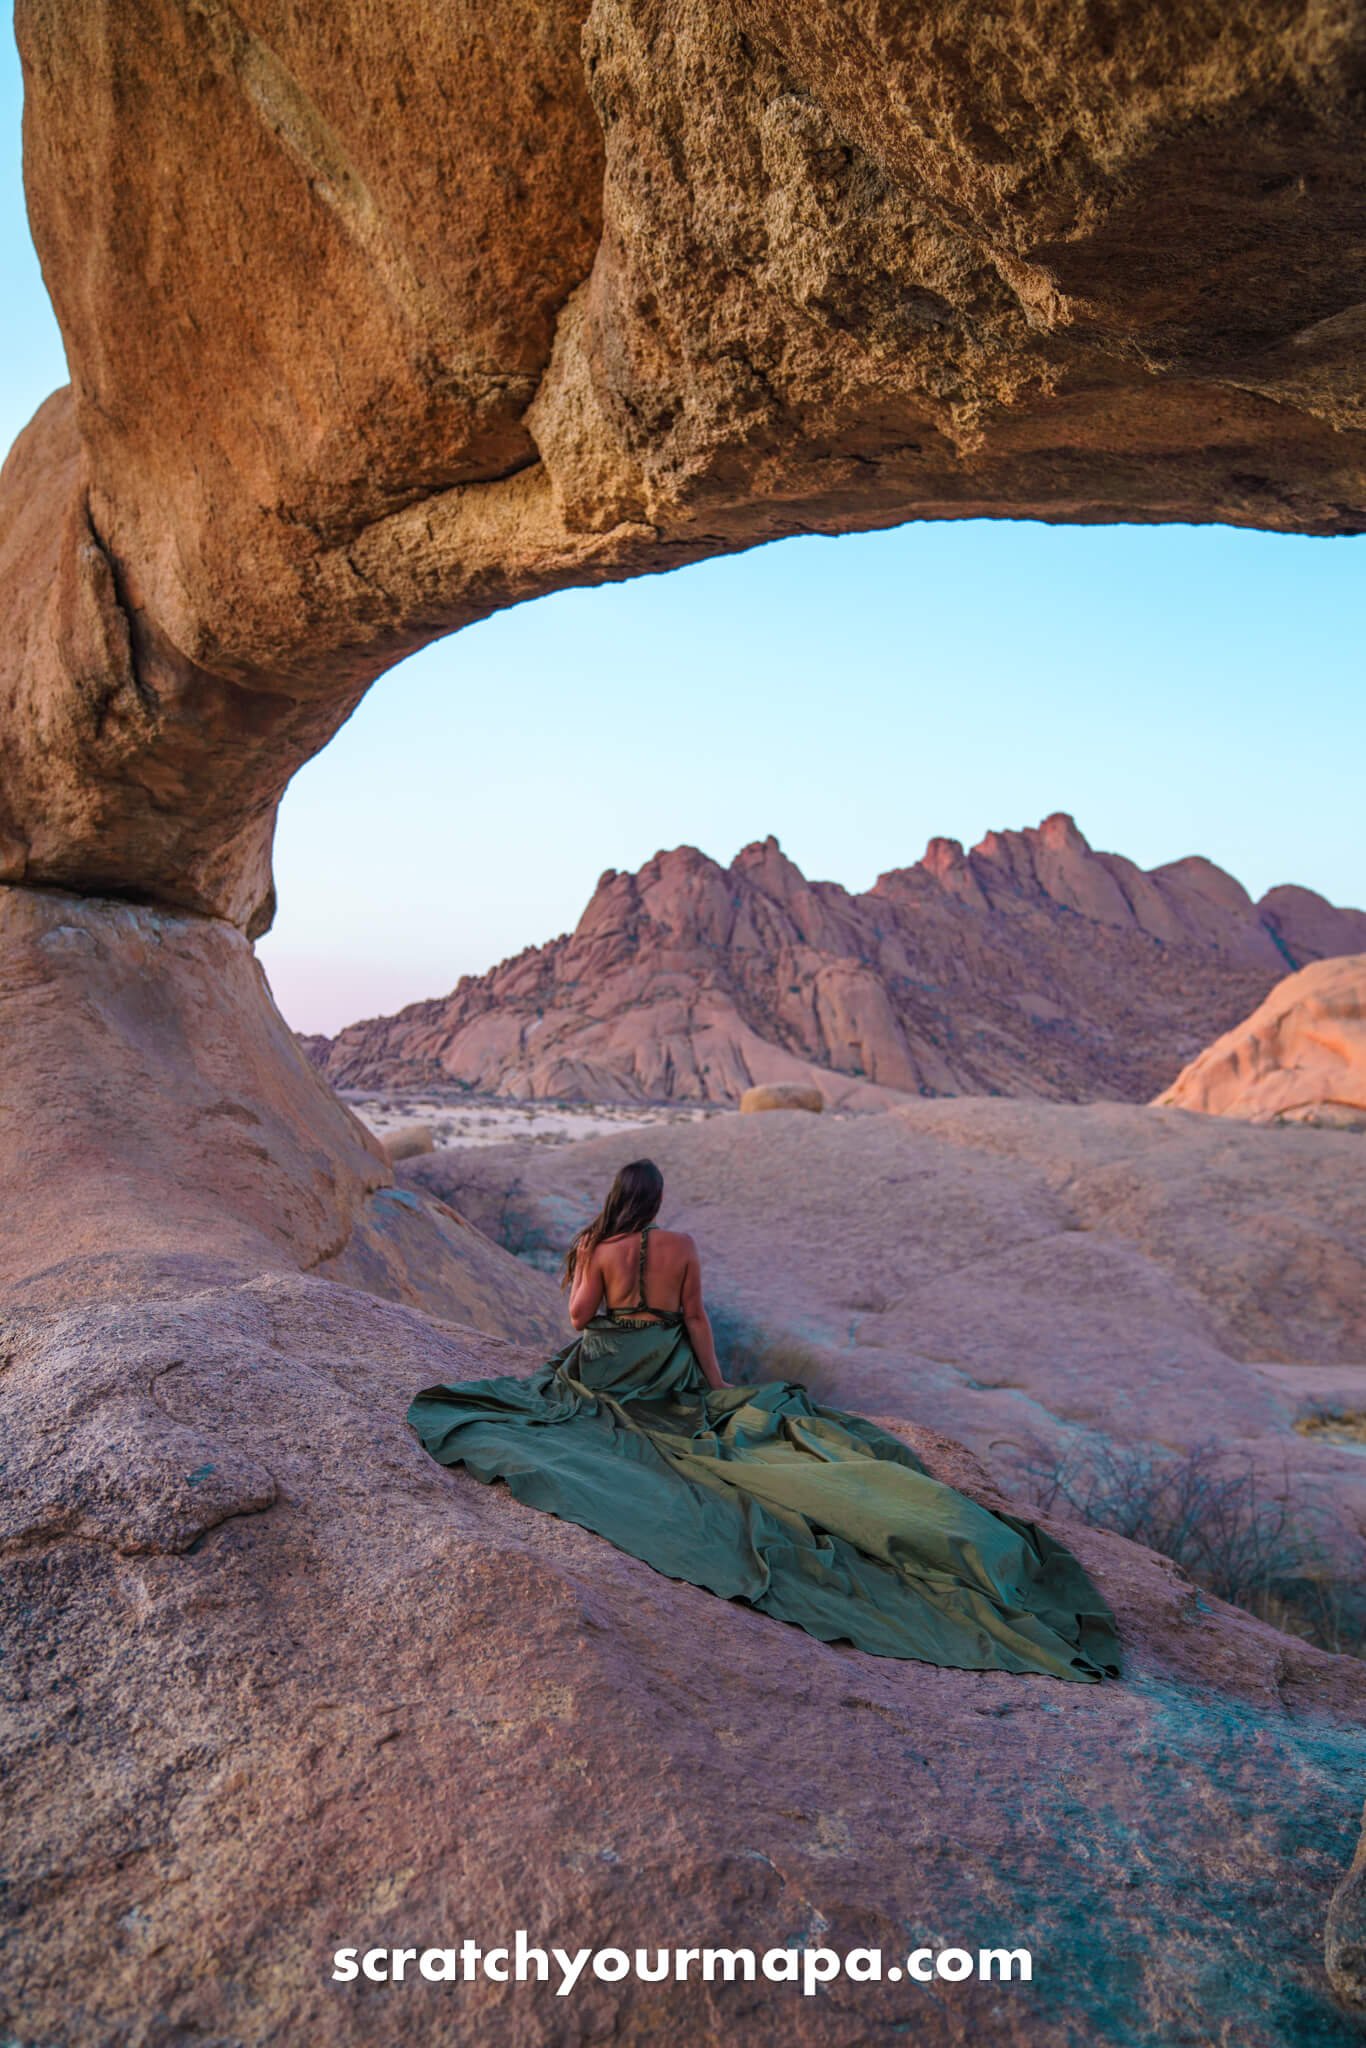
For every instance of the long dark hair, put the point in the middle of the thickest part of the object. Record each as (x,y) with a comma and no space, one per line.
(632,1201)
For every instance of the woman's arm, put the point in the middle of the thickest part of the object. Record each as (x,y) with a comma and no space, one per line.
(697,1320)
(586,1295)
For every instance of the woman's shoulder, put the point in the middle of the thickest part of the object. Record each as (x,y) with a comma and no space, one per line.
(675,1240)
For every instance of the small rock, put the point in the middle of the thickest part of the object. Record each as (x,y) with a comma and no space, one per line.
(1345,1941)
(782,1095)
(406,1141)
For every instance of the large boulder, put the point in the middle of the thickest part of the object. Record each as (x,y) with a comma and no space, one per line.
(156,1106)
(407,1141)
(1300,1058)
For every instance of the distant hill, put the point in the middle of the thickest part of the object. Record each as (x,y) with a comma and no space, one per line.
(1030,966)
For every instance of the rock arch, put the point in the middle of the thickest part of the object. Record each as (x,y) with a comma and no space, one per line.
(381,316)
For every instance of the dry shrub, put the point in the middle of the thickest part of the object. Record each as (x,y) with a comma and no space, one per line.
(1235,1531)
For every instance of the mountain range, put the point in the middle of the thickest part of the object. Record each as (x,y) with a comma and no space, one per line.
(1031,965)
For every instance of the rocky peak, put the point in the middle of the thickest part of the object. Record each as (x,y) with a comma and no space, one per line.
(764,863)
(1206,879)
(1059,833)
(1031,965)
(610,906)
(942,857)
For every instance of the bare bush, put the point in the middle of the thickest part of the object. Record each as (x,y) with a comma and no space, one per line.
(1219,1516)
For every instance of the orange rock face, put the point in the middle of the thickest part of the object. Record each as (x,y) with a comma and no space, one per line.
(385,316)
(1031,966)
(1299,1058)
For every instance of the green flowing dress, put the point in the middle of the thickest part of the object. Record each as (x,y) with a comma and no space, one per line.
(758,1493)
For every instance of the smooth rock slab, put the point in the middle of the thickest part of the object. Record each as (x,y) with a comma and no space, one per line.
(393,1707)
(1300,1057)
(1012,1273)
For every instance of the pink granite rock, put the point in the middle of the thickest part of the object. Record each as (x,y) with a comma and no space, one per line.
(1299,1058)
(156,1106)
(1031,966)
(279,1684)
(1013,1273)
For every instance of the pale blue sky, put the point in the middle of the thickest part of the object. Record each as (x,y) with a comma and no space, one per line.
(1179,689)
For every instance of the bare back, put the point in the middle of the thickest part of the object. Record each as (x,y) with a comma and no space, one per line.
(647,1274)
(668,1254)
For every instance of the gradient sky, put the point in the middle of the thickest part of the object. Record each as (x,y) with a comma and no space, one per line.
(1178,689)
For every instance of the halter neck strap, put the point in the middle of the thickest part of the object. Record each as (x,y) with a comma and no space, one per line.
(640,1301)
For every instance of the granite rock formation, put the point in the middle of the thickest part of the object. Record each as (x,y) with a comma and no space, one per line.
(285,1685)
(1011,1272)
(156,1107)
(1299,1058)
(1030,966)
(380,317)
(379,320)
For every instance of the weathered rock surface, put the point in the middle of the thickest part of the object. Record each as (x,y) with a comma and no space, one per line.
(543,296)
(1346,1937)
(308,1689)
(1025,1275)
(1030,966)
(1299,1058)
(276,1683)
(1012,1271)
(155,1106)
(380,317)
(781,1095)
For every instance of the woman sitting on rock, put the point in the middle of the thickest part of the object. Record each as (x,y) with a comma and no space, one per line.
(756,1492)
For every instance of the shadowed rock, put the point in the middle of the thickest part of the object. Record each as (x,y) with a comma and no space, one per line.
(1346,1938)
(155,1106)
(407,1141)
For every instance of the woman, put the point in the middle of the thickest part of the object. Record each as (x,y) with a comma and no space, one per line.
(756,1492)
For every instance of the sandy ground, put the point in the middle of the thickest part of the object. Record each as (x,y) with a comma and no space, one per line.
(492,1120)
